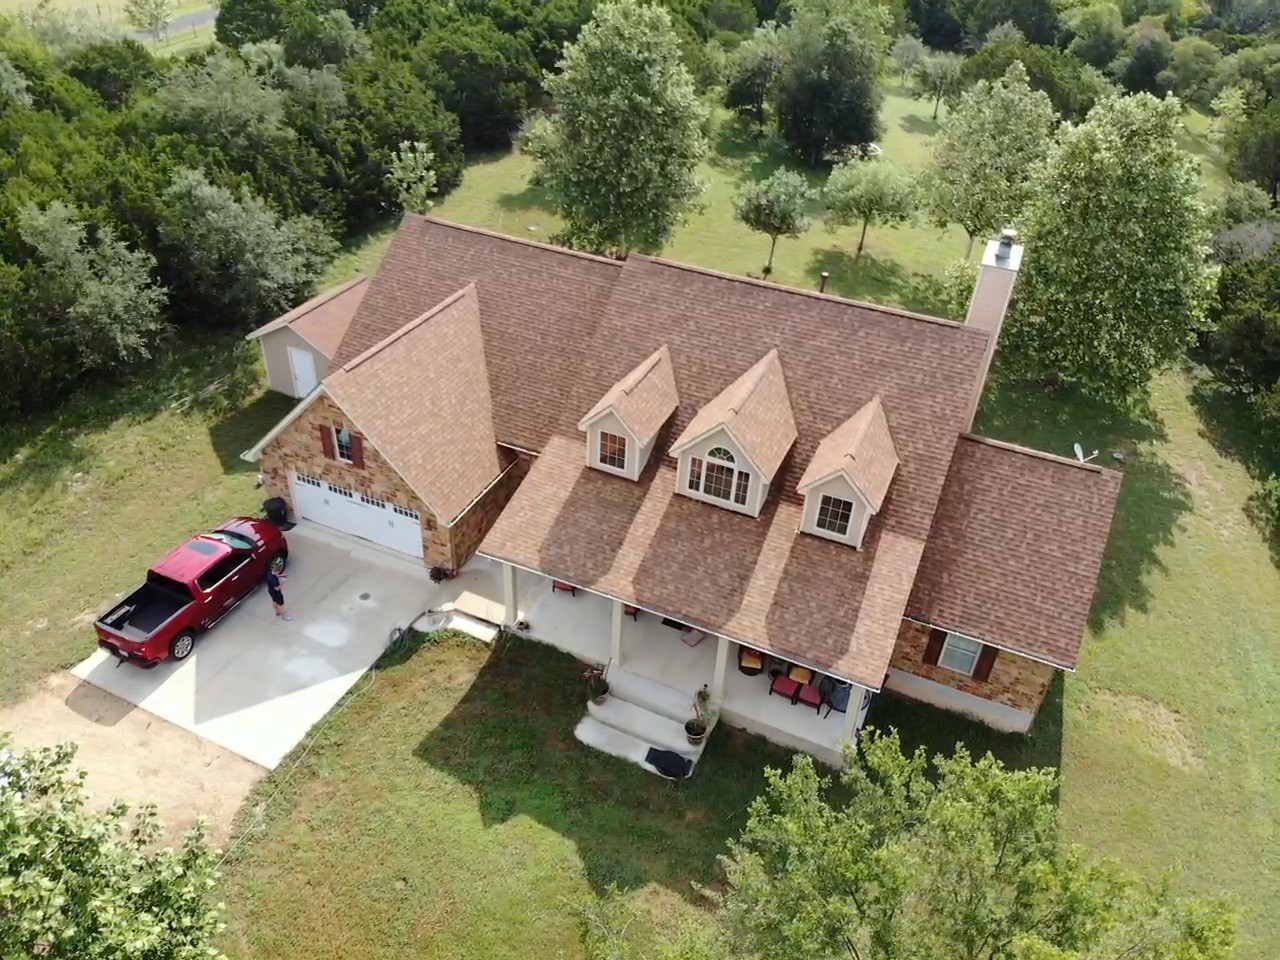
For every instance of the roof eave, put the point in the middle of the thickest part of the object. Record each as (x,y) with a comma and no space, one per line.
(254,453)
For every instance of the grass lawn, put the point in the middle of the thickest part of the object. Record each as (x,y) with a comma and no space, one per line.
(445,811)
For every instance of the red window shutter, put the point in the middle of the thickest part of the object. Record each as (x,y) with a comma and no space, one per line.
(326,441)
(933,649)
(986,660)
(357,451)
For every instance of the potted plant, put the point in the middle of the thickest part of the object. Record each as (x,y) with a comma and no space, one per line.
(696,729)
(701,698)
(597,685)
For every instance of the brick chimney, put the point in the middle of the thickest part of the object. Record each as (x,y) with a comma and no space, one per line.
(996,276)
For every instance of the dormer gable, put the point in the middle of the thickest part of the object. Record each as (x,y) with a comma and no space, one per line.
(623,425)
(732,448)
(848,478)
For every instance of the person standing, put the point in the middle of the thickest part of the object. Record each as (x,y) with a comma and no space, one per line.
(275,574)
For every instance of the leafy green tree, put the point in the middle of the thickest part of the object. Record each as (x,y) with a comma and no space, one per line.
(984,155)
(954,858)
(827,94)
(317,40)
(867,192)
(413,176)
(487,78)
(1252,149)
(1037,20)
(1098,33)
(99,294)
(776,207)
(750,72)
(114,69)
(1142,66)
(905,53)
(1255,70)
(1247,336)
(14,86)
(1191,70)
(1242,202)
(76,885)
(937,77)
(937,22)
(233,252)
(1115,283)
(149,15)
(619,157)
(1073,87)
(250,21)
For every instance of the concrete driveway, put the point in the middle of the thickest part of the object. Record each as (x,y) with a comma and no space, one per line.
(255,684)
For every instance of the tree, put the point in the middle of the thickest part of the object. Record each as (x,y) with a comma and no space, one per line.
(827,96)
(1255,70)
(99,294)
(1247,338)
(14,86)
(317,40)
(1037,20)
(619,156)
(905,53)
(114,69)
(78,885)
(937,77)
(149,15)
(775,207)
(250,21)
(1191,70)
(1241,202)
(984,155)
(1112,291)
(413,176)
(866,192)
(1073,87)
(1098,33)
(954,858)
(1252,149)
(750,72)
(235,253)
(1142,67)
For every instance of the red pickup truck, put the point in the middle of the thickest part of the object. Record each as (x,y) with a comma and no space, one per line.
(192,588)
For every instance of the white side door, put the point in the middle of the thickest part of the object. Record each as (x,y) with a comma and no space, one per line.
(303,365)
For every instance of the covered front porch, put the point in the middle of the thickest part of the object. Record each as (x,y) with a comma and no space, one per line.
(634,641)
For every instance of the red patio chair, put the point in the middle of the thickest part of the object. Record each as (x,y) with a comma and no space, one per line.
(810,696)
(561,585)
(630,611)
(784,686)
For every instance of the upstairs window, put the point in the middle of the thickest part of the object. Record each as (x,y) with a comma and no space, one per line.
(834,515)
(613,451)
(342,443)
(719,477)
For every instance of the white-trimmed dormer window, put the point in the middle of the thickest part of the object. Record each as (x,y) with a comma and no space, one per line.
(720,477)
(835,510)
(613,450)
(834,515)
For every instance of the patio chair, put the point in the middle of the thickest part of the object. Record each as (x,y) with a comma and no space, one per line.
(784,686)
(800,674)
(567,587)
(629,611)
(750,662)
(811,696)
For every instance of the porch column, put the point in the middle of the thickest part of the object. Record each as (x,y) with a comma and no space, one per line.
(510,614)
(615,647)
(852,714)
(722,661)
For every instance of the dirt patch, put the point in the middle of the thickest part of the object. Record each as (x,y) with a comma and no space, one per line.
(1149,725)
(135,756)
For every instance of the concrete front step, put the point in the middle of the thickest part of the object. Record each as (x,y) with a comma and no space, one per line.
(643,724)
(653,696)
(607,739)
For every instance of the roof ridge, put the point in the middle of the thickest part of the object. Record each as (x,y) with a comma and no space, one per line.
(1033,452)
(306,307)
(537,245)
(637,375)
(801,291)
(407,328)
(863,425)
(751,385)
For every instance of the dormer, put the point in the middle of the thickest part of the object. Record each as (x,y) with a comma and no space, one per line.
(622,427)
(847,480)
(732,448)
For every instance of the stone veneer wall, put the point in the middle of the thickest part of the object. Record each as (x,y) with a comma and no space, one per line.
(471,527)
(1015,681)
(298,447)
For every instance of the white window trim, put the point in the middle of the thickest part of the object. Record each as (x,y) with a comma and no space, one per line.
(594,430)
(627,453)
(960,640)
(857,527)
(750,508)
(337,447)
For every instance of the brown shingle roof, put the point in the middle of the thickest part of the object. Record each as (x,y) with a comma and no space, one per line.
(758,581)
(756,411)
(1016,546)
(539,307)
(644,398)
(861,447)
(322,320)
(421,396)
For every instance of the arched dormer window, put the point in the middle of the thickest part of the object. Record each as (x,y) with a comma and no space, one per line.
(719,476)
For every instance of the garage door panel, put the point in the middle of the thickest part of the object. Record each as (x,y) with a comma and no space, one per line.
(358,513)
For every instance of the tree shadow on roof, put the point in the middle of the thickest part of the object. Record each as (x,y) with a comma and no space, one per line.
(510,738)
(1154,497)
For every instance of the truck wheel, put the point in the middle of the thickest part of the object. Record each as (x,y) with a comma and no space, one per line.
(182,645)
(281,557)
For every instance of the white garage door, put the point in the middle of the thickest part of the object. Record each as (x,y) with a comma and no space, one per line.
(357,513)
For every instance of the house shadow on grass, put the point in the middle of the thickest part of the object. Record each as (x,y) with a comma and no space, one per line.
(510,738)
(876,280)
(1154,497)
(240,430)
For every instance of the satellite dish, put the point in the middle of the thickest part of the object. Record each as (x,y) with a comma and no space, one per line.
(1080,453)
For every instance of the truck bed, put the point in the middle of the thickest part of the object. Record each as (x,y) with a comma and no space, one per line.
(143,612)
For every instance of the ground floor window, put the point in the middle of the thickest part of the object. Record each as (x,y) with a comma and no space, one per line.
(959,654)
